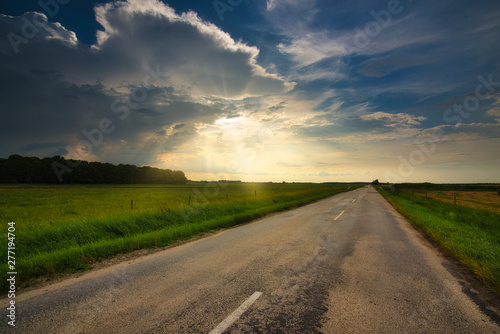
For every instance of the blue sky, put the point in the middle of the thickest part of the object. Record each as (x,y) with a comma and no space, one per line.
(276,90)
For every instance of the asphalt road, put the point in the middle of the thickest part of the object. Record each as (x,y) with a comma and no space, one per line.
(346,264)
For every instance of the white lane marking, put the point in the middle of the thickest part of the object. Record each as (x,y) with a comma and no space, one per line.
(339,215)
(236,314)
(354,200)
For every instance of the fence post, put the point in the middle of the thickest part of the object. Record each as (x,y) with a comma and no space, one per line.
(255,193)
(132,205)
(455,199)
(189,200)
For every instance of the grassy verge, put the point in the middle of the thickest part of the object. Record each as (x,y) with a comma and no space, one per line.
(470,235)
(50,250)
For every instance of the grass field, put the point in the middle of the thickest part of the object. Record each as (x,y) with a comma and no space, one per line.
(38,206)
(487,200)
(471,235)
(63,229)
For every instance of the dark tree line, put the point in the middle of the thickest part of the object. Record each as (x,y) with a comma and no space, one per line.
(55,170)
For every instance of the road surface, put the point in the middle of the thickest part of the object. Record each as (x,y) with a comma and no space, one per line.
(346,264)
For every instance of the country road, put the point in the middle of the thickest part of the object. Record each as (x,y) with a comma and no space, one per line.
(346,264)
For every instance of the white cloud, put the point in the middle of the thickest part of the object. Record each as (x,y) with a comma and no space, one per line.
(360,126)
(196,54)
(459,133)
(274,4)
(312,48)
(33,26)
(395,120)
(495,109)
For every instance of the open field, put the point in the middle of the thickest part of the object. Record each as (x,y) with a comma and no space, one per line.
(487,200)
(38,206)
(61,229)
(477,196)
(471,235)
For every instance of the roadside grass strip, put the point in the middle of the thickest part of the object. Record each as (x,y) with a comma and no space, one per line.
(471,235)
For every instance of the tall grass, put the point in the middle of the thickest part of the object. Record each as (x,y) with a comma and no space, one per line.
(74,241)
(470,235)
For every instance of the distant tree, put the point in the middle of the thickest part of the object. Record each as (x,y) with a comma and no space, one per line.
(18,169)
(375,182)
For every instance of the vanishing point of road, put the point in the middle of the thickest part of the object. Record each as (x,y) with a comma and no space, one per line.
(346,264)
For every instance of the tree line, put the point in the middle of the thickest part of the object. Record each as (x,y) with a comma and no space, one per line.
(18,169)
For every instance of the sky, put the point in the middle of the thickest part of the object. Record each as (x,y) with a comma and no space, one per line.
(257,90)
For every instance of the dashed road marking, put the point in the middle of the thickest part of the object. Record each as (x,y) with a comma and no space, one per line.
(339,215)
(226,323)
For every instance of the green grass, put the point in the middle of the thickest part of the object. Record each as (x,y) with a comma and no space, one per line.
(470,235)
(64,229)
(38,206)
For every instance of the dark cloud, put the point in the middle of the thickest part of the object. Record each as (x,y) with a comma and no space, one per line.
(146,74)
